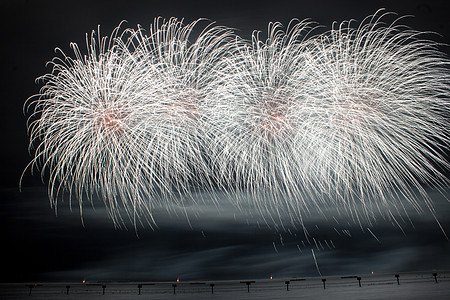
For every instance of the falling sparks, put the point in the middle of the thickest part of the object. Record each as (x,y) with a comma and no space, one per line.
(315,261)
(368,229)
(275,247)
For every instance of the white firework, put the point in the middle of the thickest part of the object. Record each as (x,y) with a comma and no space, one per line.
(256,151)
(123,122)
(374,116)
(354,117)
(180,76)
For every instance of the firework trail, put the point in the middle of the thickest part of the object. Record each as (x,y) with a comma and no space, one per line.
(122,121)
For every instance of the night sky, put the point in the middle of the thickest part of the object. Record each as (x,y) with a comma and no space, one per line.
(224,243)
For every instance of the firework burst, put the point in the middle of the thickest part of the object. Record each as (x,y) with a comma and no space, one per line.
(256,149)
(123,121)
(180,76)
(374,115)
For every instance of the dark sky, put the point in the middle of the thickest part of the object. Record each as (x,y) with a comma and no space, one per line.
(216,245)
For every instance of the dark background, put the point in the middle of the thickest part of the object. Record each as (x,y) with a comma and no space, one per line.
(41,245)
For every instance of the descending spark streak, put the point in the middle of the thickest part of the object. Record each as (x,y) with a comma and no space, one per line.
(315,261)
(275,247)
(368,229)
